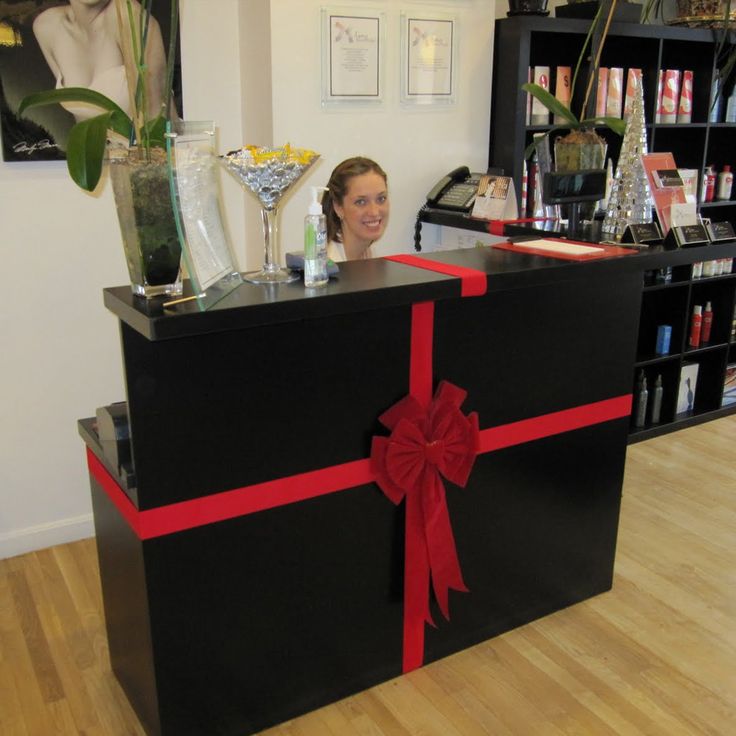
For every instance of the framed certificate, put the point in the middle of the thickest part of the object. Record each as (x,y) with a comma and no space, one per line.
(428,63)
(352,56)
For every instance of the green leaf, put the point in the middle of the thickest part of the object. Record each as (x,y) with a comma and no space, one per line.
(85,150)
(530,148)
(119,121)
(156,131)
(617,125)
(551,103)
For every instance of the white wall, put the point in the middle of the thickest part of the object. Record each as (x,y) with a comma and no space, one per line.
(415,145)
(61,357)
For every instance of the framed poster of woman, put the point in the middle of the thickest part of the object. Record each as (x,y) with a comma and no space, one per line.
(46,44)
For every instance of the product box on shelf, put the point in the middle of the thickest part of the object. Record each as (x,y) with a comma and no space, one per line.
(687,386)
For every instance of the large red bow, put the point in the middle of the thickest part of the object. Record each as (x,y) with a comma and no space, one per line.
(425,444)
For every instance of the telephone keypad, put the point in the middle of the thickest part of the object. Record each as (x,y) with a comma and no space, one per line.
(459,195)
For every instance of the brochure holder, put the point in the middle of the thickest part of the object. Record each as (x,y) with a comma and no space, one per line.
(195,191)
(642,234)
(686,236)
(720,232)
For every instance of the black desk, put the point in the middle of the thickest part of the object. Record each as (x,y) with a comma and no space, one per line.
(231,626)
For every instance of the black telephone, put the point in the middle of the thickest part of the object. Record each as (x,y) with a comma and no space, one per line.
(456,191)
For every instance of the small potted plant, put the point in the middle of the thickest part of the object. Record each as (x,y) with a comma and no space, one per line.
(582,147)
(136,148)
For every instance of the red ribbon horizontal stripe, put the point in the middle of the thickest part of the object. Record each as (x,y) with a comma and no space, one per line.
(497,227)
(474,282)
(547,425)
(177,517)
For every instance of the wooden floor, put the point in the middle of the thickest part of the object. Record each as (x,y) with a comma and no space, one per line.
(655,656)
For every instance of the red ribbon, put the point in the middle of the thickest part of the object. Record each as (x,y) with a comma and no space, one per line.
(498,227)
(425,445)
(473,282)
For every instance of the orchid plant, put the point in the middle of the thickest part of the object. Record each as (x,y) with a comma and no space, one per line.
(85,150)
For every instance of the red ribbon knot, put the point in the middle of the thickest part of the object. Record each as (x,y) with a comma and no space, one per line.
(425,445)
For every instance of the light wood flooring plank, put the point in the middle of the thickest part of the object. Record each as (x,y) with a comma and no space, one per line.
(655,656)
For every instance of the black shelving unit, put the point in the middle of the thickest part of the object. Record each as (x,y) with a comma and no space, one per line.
(524,41)
(672,304)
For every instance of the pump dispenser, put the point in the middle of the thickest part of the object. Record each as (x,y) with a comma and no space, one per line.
(315,242)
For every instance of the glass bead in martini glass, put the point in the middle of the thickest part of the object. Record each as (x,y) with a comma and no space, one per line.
(269,173)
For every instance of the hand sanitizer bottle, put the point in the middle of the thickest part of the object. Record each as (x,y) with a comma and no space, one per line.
(315,243)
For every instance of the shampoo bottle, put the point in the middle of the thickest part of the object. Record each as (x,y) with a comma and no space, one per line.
(725,183)
(707,323)
(315,243)
(657,400)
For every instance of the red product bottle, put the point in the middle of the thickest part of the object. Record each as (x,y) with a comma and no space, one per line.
(707,322)
(695,326)
(710,184)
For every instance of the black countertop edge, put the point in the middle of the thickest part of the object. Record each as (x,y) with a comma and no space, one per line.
(87,429)
(378,283)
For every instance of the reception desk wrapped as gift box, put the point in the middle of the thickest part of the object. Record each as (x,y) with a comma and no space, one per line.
(329,489)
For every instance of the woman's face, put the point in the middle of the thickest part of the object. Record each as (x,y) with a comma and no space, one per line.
(364,209)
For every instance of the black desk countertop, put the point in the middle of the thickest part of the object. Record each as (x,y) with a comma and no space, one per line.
(379,283)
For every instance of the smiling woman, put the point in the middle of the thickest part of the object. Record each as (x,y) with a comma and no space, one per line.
(356,205)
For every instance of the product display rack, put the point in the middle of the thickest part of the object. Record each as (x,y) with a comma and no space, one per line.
(672,304)
(524,41)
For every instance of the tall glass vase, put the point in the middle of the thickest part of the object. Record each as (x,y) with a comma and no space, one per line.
(140,183)
(580,150)
(268,173)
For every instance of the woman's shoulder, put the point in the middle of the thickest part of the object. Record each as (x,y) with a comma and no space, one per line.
(335,251)
(48,20)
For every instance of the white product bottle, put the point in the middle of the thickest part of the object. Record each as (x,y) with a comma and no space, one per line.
(731,107)
(725,183)
(315,243)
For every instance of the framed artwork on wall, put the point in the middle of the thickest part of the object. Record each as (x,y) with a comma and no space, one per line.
(39,51)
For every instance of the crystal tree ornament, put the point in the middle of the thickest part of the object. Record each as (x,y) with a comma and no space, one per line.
(269,173)
(631,198)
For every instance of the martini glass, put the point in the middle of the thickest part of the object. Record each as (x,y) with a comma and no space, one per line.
(269,173)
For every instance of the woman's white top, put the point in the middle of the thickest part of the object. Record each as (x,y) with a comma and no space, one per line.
(336,252)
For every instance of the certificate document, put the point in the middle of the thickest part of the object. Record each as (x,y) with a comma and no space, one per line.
(354,51)
(429,57)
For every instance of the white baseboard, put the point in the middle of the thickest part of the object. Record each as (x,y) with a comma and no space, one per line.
(20,541)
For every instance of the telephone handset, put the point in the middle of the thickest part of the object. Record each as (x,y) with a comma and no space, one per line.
(456,191)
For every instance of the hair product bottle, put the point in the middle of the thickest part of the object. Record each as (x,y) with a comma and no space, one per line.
(315,243)
(725,183)
(731,107)
(642,397)
(657,400)
(696,324)
(707,323)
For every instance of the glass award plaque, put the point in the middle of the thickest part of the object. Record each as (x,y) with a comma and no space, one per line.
(193,176)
